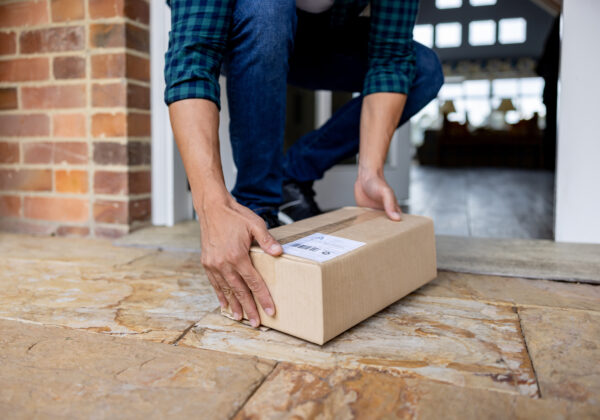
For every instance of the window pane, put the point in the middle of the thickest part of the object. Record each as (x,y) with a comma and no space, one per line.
(477,88)
(482,32)
(478,110)
(532,86)
(505,88)
(448,4)
(512,31)
(451,91)
(448,35)
(424,34)
(482,2)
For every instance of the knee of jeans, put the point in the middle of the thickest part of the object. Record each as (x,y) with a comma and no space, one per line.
(269,25)
(430,68)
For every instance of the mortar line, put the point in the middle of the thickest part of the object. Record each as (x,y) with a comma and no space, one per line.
(537,382)
(258,386)
(183,334)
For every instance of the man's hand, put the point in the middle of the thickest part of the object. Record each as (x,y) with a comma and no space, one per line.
(371,190)
(227,232)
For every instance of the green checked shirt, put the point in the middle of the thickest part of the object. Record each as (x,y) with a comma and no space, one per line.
(200,28)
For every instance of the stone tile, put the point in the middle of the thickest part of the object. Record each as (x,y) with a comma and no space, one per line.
(538,259)
(50,372)
(514,291)
(66,250)
(183,237)
(180,262)
(152,305)
(301,391)
(565,351)
(457,341)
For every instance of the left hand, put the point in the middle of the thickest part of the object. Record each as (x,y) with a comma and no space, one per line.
(372,190)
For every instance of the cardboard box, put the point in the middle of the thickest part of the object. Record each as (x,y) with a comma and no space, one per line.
(332,284)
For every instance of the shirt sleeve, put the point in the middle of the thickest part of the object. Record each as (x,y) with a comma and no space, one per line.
(391,55)
(197,41)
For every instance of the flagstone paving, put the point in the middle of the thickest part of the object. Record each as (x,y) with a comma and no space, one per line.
(467,346)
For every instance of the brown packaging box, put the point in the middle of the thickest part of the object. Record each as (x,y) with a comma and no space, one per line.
(317,300)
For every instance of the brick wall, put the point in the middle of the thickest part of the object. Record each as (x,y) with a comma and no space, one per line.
(74,116)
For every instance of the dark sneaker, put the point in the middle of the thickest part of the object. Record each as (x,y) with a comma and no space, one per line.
(271,220)
(298,201)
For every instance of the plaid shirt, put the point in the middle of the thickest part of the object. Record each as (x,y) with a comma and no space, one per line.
(199,33)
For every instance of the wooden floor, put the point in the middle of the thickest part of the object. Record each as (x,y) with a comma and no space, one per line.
(485,202)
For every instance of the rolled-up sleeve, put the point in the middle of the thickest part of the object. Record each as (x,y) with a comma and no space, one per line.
(197,41)
(391,55)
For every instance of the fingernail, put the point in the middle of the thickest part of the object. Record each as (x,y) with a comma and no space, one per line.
(237,316)
(274,249)
(254,323)
(270,311)
(396,215)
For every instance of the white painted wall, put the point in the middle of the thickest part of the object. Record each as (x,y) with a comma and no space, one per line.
(578,164)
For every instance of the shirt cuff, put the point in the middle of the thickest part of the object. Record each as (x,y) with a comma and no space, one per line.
(397,79)
(194,89)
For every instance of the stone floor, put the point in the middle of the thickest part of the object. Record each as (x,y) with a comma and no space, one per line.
(91,330)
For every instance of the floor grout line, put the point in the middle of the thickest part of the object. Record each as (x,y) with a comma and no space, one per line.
(258,386)
(183,334)
(537,382)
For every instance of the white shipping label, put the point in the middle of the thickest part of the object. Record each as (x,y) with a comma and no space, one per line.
(320,247)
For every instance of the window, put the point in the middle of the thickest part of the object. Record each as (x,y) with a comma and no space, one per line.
(512,31)
(424,34)
(482,2)
(448,35)
(482,32)
(448,4)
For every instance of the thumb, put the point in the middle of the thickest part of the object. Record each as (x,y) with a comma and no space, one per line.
(390,204)
(266,241)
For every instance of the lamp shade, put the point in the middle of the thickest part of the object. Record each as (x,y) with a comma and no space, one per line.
(448,107)
(506,105)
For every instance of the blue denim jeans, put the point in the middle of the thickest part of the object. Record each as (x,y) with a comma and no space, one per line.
(272,44)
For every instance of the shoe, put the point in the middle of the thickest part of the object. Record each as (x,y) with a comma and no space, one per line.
(298,201)
(271,220)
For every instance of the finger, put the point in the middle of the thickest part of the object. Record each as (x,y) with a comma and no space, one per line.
(243,295)
(390,204)
(218,291)
(234,304)
(265,240)
(257,286)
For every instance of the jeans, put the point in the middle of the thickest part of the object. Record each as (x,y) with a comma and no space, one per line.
(272,44)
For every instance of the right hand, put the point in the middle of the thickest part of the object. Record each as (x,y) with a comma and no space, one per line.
(227,231)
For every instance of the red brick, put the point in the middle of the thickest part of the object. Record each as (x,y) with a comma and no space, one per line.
(138,96)
(71,181)
(24,125)
(106,66)
(26,180)
(137,38)
(138,68)
(109,95)
(69,67)
(107,35)
(105,8)
(24,69)
(138,125)
(138,153)
(8,43)
(26,226)
(53,97)
(70,152)
(9,152)
(57,209)
(137,10)
(140,210)
(140,182)
(111,212)
(66,38)
(109,125)
(38,152)
(110,233)
(80,231)
(10,206)
(24,13)
(110,153)
(68,125)
(66,10)
(8,98)
(110,182)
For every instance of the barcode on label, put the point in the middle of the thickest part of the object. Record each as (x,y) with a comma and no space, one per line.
(306,247)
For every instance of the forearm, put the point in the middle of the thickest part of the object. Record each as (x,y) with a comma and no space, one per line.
(195,123)
(380,116)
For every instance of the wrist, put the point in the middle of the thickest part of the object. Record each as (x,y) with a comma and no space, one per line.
(210,199)
(368,171)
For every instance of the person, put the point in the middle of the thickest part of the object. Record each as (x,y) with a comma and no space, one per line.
(260,46)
